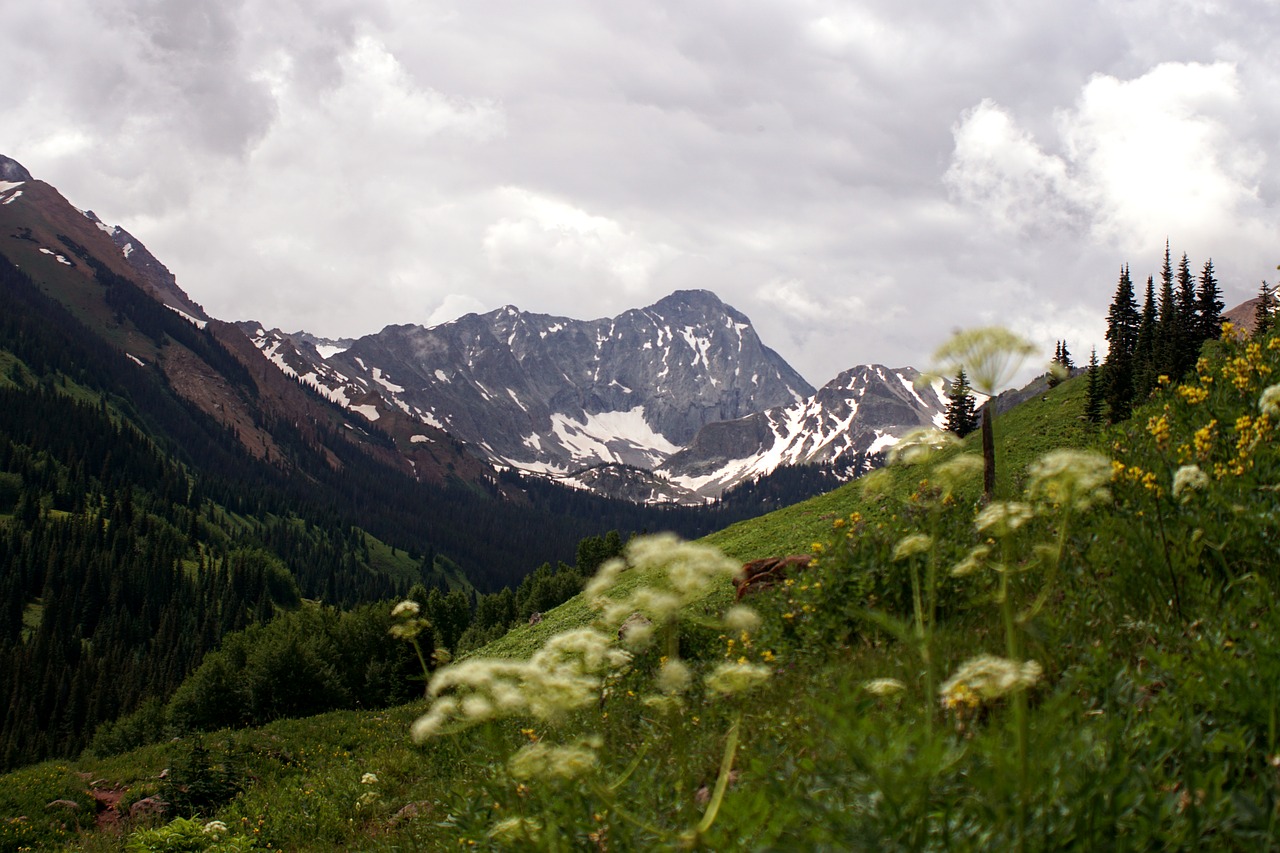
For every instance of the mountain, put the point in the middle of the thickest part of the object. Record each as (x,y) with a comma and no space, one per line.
(555,395)
(842,427)
(163,484)
(200,388)
(676,402)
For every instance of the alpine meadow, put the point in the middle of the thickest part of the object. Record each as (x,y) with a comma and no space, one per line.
(1049,625)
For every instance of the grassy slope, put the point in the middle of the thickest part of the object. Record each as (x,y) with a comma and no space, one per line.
(302,765)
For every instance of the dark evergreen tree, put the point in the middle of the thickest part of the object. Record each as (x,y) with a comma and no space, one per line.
(1165,354)
(1187,349)
(1264,311)
(1093,400)
(1209,304)
(962,414)
(1144,357)
(1122,336)
(1064,357)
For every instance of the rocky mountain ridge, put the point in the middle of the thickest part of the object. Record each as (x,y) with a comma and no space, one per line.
(675,402)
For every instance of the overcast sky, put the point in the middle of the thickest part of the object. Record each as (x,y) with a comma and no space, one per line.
(859,178)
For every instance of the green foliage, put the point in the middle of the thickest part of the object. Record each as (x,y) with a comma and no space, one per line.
(188,835)
(199,783)
(305,662)
(42,806)
(1151,724)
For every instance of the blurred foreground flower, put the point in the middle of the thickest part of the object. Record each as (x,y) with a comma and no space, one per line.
(541,761)
(729,678)
(563,675)
(986,678)
(1188,479)
(1269,402)
(1001,518)
(992,356)
(921,445)
(884,686)
(1073,479)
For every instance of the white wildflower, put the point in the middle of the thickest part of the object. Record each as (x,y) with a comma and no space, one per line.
(909,546)
(604,579)
(1188,479)
(1070,478)
(683,572)
(673,677)
(543,761)
(957,470)
(920,445)
(985,678)
(515,829)
(884,686)
(728,678)
(742,618)
(369,779)
(973,561)
(215,827)
(1269,402)
(991,356)
(406,608)
(1001,518)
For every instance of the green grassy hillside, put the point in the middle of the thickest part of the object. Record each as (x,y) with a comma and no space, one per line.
(1090,662)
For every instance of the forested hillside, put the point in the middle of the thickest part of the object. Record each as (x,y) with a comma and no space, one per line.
(136,531)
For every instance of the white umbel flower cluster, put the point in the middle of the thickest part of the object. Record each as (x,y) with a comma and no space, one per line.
(563,675)
(985,678)
(680,574)
(1076,479)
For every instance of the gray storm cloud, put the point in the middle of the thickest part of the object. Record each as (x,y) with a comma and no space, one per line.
(858,177)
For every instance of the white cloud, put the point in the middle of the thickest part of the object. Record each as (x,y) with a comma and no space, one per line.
(1159,155)
(998,168)
(543,239)
(340,165)
(1141,160)
(454,306)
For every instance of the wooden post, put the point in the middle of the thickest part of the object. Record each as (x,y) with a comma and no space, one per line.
(988,453)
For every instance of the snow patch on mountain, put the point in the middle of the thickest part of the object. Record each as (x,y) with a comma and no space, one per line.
(199,324)
(385,382)
(60,258)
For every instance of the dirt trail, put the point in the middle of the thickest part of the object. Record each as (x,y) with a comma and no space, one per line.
(108,800)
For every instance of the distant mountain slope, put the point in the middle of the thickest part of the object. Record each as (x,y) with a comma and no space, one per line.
(200,388)
(676,402)
(843,426)
(556,395)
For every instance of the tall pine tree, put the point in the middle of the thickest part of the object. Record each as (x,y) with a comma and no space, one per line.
(1264,311)
(1188,340)
(1165,352)
(1144,356)
(1122,337)
(962,416)
(1093,393)
(1209,304)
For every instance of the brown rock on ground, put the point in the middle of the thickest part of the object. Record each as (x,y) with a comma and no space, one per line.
(762,574)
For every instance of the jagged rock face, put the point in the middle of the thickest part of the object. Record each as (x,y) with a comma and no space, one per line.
(850,420)
(556,395)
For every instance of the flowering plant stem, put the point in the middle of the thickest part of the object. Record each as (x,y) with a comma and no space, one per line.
(1013,650)
(722,782)
(1051,577)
